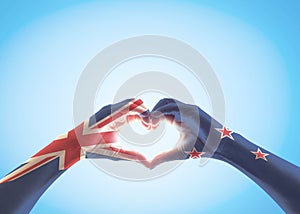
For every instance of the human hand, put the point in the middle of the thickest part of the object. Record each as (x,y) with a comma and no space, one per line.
(199,132)
(98,136)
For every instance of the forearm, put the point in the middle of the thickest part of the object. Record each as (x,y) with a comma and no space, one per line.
(20,189)
(279,178)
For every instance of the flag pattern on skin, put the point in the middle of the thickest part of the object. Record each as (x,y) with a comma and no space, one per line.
(260,155)
(279,178)
(94,136)
(20,189)
(195,154)
(225,132)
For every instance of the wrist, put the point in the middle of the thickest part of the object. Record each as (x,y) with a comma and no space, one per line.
(233,149)
(65,147)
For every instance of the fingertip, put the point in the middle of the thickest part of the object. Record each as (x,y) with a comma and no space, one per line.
(166,100)
(165,107)
(146,163)
(157,160)
(163,102)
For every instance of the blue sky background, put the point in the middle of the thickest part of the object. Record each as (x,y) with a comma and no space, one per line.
(253,46)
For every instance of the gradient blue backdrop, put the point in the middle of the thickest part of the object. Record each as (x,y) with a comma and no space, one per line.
(32,91)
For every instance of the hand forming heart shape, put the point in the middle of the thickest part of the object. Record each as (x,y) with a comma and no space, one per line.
(194,125)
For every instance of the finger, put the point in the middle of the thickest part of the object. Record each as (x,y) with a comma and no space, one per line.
(152,120)
(166,102)
(135,111)
(130,110)
(157,116)
(110,113)
(137,108)
(170,155)
(170,109)
(181,151)
(131,155)
(116,154)
(131,118)
(134,107)
(110,109)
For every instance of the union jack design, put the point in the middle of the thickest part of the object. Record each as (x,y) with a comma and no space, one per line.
(97,135)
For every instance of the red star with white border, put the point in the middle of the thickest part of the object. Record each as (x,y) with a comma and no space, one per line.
(225,133)
(259,154)
(195,154)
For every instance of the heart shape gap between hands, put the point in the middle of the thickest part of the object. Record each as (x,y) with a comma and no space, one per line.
(183,116)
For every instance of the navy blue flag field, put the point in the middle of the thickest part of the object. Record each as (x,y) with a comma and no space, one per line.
(21,188)
(97,138)
(279,178)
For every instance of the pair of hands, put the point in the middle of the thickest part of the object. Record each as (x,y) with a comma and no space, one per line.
(194,125)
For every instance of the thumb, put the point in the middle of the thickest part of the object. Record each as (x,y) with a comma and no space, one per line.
(166,156)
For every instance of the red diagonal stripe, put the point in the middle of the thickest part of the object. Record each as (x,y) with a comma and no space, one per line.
(132,106)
